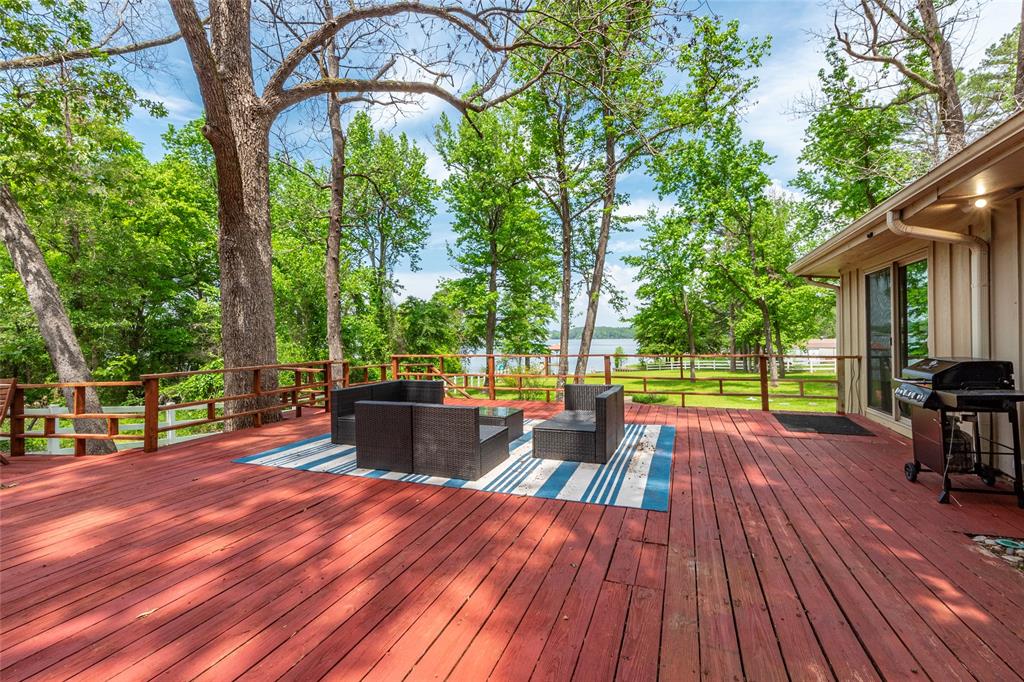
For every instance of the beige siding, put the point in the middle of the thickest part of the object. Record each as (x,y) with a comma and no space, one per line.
(949,271)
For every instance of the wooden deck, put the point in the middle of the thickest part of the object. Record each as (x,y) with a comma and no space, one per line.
(784,556)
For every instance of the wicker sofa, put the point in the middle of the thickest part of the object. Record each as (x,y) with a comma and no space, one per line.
(432,440)
(343,402)
(589,430)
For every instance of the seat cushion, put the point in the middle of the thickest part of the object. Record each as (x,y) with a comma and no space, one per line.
(570,421)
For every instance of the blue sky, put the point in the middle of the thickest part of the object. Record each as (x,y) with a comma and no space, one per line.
(789,72)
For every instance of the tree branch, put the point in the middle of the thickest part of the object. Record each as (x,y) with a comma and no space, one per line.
(54,58)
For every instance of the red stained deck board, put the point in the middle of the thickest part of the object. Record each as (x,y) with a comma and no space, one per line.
(565,639)
(515,565)
(949,616)
(395,658)
(754,627)
(406,597)
(172,632)
(803,550)
(308,623)
(638,656)
(518,627)
(898,626)
(599,656)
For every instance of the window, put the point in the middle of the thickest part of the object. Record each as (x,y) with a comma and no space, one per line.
(879,323)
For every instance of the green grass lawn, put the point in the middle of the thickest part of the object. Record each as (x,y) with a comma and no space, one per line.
(706,382)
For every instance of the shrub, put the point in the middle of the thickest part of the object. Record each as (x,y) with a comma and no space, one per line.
(649,398)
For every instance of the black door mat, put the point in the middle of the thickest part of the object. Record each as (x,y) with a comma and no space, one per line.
(821,423)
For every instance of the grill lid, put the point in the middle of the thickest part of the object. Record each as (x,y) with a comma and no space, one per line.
(961,373)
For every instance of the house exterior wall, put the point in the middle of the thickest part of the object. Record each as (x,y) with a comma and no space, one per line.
(949,303)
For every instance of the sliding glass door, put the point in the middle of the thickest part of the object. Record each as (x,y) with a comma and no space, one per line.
(895,340)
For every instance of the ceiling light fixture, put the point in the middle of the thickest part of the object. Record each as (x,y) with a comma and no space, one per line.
(980,203)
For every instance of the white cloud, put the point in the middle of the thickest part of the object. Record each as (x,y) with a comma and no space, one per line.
(179,109)
(640,207)
(421,284)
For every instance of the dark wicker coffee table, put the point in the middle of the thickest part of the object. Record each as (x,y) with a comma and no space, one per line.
(509,417)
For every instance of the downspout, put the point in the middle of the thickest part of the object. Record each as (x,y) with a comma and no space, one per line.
(979,273)
(823,285)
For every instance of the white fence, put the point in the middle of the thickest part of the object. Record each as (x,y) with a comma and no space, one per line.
(168,418)
(802,364)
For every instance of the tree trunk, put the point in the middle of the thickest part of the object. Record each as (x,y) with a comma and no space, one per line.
(780,351)
(1018,83)
(565,308)
(237,126)
(54,324)
(332,278)
(732,337)
(688,315)
(492,303)
(248,334)
(597,277)
(767,328)
(951,112)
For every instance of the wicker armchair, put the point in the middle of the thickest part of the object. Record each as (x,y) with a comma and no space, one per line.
(343,401)
(449,441)
(589,430)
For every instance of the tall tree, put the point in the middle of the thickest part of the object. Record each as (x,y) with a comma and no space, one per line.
(851,159)
(673,314)
(911,45)
(421,38)
(635,118)
(390,201)
(566,172)
(502,245)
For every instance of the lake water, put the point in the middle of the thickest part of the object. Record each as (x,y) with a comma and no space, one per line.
(594,364)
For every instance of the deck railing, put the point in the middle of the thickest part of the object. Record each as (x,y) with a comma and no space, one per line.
(531,374)
(159,420)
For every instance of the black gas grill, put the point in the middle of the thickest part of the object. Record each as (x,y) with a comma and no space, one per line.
(947,397)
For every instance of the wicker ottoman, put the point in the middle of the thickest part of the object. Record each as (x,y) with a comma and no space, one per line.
(571,436)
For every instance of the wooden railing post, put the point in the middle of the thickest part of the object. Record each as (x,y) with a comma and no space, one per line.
(394,368)
(18,422)
(298,380)
(345,377)
(840,386)
(257,389)
(607,369)
(762,365)
(490,377)
(79,408)
(151,414)
(328,384)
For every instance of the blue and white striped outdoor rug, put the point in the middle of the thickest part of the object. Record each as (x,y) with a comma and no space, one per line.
(636,476)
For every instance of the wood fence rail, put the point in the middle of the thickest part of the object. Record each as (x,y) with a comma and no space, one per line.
(488,381)
(311,383)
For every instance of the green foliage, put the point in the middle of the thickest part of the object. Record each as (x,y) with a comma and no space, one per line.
(389,203)
(130,243)
(298,214)
(502,247)
(648,399)
(988,88)
(851,161)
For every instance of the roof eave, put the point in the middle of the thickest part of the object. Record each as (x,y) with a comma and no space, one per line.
(963,162)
